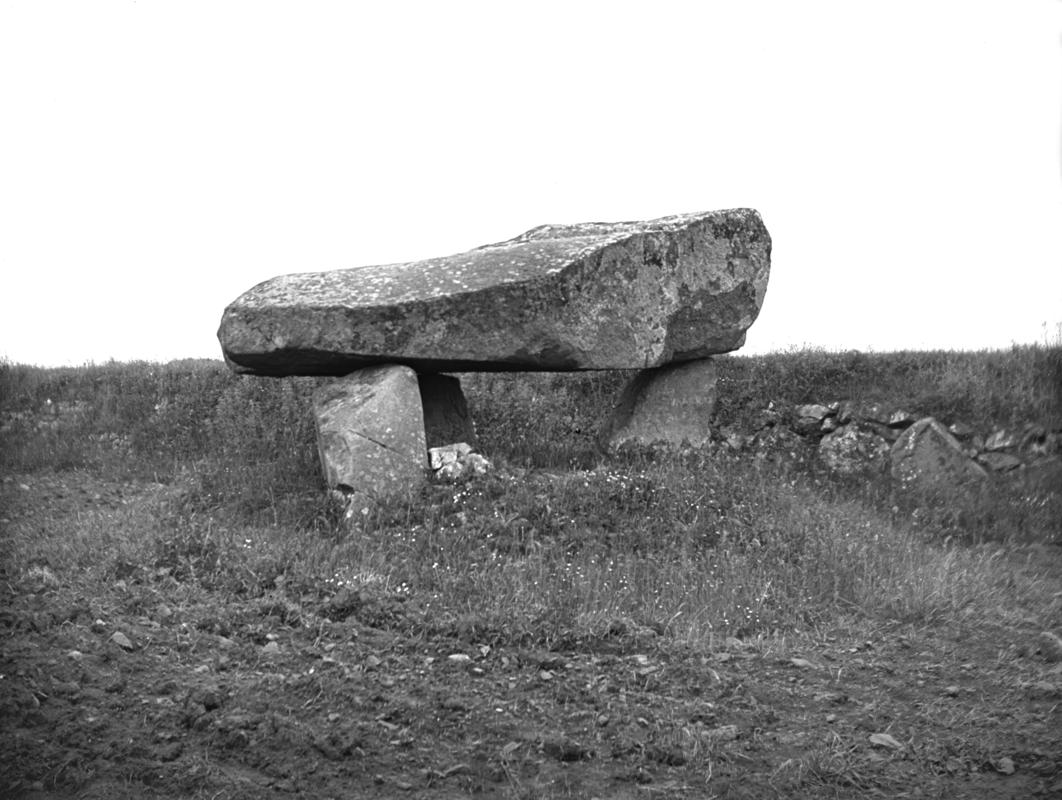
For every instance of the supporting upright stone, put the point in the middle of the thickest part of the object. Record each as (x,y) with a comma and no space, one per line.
(446,418)
(669,405)
(370,432)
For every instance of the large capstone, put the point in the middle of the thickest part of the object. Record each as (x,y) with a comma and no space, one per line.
(560,297)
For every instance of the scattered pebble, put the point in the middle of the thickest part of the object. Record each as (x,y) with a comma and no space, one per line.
(723,733)
(1050,646)
(1004,765)
(69,688)
(1043,689)
(122,640)
(209,698)
(565,750)
(885,740)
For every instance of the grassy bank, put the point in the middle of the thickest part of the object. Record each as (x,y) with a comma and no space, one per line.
(559,541)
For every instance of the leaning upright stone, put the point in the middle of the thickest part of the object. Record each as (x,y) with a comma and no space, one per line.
(624,295)
(671,405)
(446,417)
(370,432)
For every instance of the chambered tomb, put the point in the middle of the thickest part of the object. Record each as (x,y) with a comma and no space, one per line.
(661,296)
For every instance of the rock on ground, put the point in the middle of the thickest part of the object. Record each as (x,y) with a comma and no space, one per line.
(624,295)
(926,455)
(850,450)
(370,431)
(455,461)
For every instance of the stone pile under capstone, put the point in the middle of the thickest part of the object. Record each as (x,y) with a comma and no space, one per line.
(660,296)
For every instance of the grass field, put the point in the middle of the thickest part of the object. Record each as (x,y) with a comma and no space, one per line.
(560,549)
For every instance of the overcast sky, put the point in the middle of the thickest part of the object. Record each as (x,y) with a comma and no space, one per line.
(158,159)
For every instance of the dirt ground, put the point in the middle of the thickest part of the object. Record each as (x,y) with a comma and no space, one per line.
(147,691)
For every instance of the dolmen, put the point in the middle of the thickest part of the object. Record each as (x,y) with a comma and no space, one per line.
(660,296)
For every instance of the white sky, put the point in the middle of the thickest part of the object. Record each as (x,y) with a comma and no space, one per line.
(157,159)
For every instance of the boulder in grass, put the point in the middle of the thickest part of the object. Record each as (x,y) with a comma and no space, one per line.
(624,295)
(851,450)
(927,456)
(370,432)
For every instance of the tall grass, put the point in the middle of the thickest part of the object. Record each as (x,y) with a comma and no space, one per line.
(987,389)
(558,542)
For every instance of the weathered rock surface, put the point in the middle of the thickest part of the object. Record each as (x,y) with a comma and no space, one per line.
(999,462)
(851,450)
(370,432)
(926,455)
(590,296)
(1050,646)
(1001,440)
(439,457)
(452,462)
(850,411)
(810,418)
(670,405)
